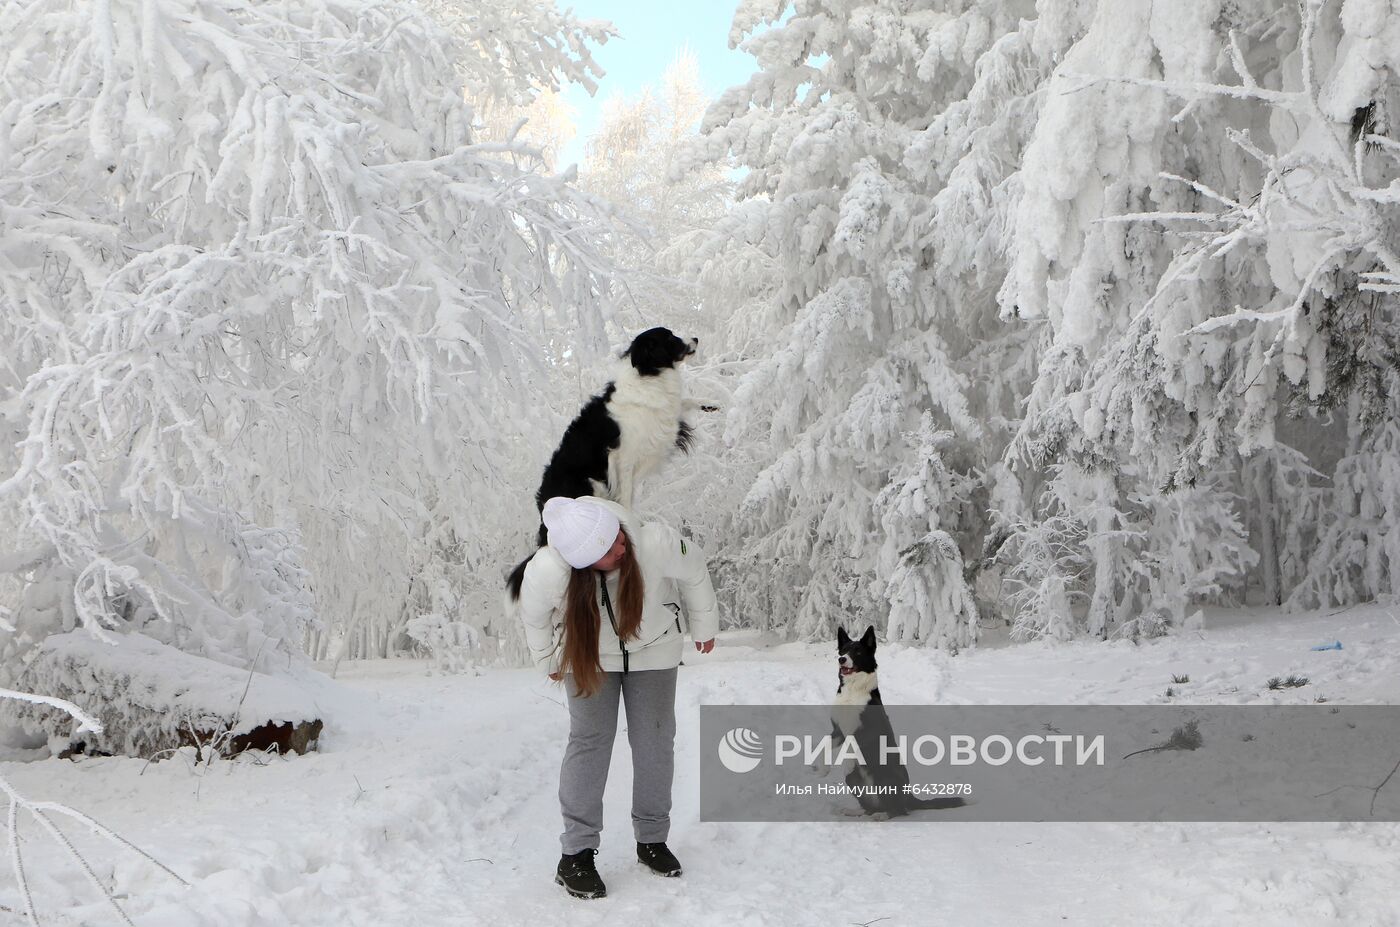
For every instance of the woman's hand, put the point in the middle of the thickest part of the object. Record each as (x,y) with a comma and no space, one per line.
(555,676)
(705,646)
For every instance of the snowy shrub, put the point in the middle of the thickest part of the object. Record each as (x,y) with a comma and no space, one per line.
(1044,573)
(453,644)
(929,598)
(1357,556)
(1193,550)
(149,698)
(1098,562)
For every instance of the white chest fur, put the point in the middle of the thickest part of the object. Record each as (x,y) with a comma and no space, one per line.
(855,693)
(641,403)
(648,413)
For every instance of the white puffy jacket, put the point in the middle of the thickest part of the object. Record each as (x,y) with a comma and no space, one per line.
(674,576)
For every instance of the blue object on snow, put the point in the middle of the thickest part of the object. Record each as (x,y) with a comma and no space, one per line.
(1335,645)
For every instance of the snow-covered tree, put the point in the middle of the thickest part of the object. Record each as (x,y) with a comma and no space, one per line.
(628,162)
(512,52)
(1114,250)
(877,150)
(272,316)
(545,125)
(1261,278)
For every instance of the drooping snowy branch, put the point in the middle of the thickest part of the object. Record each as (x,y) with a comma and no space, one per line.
(271,306)
(39,810)
(85,721)
(1113,249)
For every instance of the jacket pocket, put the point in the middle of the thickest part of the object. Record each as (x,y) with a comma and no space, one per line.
(664,631)
(656,624)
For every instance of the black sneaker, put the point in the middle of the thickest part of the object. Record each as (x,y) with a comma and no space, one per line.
(579,876)
(658,859)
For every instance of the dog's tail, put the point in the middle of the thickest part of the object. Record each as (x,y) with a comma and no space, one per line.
(516,579)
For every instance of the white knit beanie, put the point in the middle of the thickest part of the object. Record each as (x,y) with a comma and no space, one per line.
(580,530)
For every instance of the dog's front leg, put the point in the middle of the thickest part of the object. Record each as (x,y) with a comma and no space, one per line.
(617,491)
(820,764)
(624,488)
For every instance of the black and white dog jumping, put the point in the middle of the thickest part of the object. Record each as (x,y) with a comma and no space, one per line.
(858,712)
(624,433)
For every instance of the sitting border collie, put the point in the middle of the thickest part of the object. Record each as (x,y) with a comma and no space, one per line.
(624,433)
(859,712)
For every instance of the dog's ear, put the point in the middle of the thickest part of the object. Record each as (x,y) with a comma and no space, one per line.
(842,638)
(868,638)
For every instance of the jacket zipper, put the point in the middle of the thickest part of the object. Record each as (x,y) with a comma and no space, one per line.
(612,620)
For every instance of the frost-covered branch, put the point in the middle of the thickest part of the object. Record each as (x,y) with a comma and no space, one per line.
(39,811)
(85,721)
(271,302)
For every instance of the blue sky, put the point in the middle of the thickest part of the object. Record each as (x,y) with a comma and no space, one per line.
(651,34)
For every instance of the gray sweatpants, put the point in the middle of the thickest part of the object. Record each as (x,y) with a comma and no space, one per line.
(650,700)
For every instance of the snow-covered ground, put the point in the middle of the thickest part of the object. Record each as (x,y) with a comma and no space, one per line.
(432,802)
